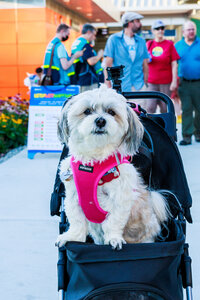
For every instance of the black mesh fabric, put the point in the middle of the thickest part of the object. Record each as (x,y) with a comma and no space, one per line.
(167,168)
(151,269)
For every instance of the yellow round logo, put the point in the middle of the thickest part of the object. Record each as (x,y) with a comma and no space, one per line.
(157,51)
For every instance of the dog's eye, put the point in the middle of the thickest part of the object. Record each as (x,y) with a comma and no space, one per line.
(111,112)
(87,112)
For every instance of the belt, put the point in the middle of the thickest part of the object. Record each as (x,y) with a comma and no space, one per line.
(190,80)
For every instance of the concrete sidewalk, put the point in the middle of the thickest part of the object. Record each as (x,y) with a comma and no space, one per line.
(28,255)
(28,267)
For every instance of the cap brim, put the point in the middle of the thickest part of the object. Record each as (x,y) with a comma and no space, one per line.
(158,27)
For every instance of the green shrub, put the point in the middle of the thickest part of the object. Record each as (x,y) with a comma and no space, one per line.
(13,123)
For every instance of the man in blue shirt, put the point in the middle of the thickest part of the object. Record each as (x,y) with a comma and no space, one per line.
(128,49)
(189,88)
(62,65)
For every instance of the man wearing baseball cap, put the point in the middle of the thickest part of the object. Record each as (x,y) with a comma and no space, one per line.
(129,49)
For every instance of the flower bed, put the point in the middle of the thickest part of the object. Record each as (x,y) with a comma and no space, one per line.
(13,123)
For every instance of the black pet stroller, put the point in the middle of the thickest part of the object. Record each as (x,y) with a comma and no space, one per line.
(150,271)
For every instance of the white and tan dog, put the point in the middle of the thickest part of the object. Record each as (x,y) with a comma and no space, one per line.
(96,124)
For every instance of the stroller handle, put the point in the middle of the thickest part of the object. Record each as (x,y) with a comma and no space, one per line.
(149,95)
(169,117)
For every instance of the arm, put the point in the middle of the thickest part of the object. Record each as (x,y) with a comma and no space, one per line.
(148,45)
(173,84)
(94,59)
(108,63)
(145,70)
(66,64)
(174,67)
(109,54)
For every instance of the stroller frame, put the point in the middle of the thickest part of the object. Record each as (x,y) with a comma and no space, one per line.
(62,260)
(168,121)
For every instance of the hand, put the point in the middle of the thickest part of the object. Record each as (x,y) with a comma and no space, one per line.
(146,79)
(108,83)
(78,54)
(100,53)
(173,86)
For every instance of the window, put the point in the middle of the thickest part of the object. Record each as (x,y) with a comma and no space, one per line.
(123,3)
(21,3)
(131,3)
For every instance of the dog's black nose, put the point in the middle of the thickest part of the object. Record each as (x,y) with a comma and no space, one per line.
(100,122)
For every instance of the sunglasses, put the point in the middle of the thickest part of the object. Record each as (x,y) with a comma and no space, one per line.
(161,27)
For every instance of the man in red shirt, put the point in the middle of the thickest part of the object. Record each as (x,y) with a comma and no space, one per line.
(162,66)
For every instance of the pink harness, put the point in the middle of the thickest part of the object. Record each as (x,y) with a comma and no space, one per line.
(86,178)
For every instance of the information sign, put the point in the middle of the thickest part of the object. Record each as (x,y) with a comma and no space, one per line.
(44,110)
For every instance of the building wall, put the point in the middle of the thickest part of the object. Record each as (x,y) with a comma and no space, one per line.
(197,22)
(25,33)
(57,14)
(22,45)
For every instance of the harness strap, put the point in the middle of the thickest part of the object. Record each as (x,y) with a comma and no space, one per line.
(109,176)
(145,151)
(86,178)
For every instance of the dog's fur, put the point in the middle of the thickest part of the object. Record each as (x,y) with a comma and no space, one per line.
(134,213)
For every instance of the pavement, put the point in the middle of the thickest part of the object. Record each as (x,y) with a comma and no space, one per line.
(28,268)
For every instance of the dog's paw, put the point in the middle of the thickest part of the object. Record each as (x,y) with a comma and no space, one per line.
(61,240)
(116,242)
(70,236)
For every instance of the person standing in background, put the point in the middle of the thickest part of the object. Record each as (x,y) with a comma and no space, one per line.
(88,68)
(189,86)
(129,49)
(34,79)
(40,75)
(62,66)
(162,67)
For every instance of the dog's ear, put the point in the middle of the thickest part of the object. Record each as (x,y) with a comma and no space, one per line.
(135,132)
(63,128)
